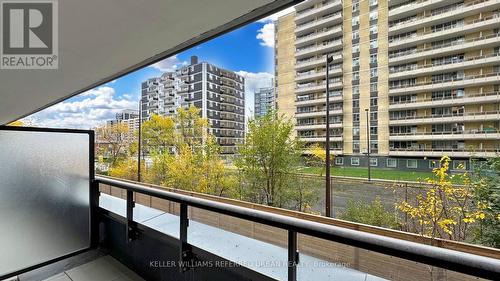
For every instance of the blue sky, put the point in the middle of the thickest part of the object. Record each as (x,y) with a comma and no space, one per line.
(248,50)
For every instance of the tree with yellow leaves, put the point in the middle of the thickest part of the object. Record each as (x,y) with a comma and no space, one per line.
(445,210)
(192,161)
(319,153)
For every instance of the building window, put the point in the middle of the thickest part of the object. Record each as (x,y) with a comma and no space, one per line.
(373,72)
(355,117)
(459,165)
(373,44)
(433,164)
(373,162)
(339,160)
(355,48)
(373,2)
(355,161)
(355,61)
(373,58)
(392,163)
(374,15)
(373,29)
(355,34)
(411,164)
(355,6)
(355,21)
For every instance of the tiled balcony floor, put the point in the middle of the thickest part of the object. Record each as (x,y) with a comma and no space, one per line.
(103,269)
(253,253)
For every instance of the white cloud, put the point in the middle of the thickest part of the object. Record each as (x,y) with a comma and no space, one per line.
(253,82)
(266,35)
(275,16)
(169,64)
(96,107)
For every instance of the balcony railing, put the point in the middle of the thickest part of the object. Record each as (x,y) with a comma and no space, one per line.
(463,25)
(454,61)
(451,98)
(480,266)
(315,22)
(436,116)
(451,79)
(478,133)
(458,6)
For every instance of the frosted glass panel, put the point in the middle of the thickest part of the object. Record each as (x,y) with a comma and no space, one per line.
(44,197)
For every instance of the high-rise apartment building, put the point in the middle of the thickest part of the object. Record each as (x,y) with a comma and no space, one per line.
(219,93)
(413,80)
(265,101)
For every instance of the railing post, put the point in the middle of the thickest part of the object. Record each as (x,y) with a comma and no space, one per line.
(185,249)
(131,225)
(293,255)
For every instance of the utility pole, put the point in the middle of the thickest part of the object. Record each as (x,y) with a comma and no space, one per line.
(368,142)
(328,203)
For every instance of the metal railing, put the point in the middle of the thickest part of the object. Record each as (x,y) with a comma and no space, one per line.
(447,99)
(445,80)
(458,6)
(444,63)
(470,264)
(478,133)
(439,116)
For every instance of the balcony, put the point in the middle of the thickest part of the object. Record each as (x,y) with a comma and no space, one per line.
(318,100)
(317,87)
(451,135)
(456,82)
(447,118)
(467,63)
(316,126)
(117,228)
(470,98)
(451,152)
(407,9)
(317,113)
(318,49)
(314,75)
(316,61)
(334,18)
(320,138)
(446,49)
(469,26)
(313,12)
(461,10)
(322,34)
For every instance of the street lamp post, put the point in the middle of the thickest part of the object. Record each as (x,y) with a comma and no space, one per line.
(328,198)
(368,142)
(139,143)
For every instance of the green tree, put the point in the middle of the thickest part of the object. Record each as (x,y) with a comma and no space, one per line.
(487,181)
(267,158)
(373,213)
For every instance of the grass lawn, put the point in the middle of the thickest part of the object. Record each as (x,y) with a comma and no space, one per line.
(376,173)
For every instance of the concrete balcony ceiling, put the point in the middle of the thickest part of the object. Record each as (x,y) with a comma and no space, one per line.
(100,41)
